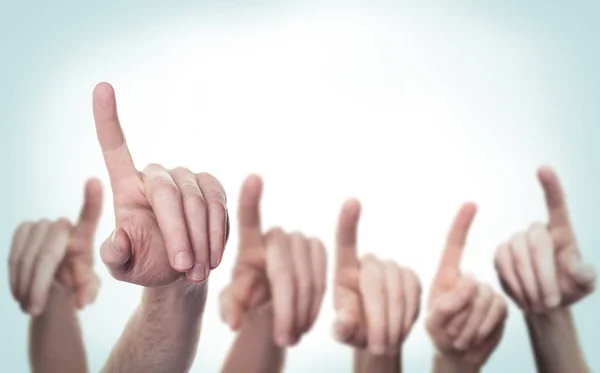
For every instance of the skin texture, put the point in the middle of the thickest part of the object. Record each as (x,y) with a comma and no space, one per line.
(466,318)
(285,271)
(376,301)
(55,340)
(169,223)
(543,271)
(51,276)
(171,228)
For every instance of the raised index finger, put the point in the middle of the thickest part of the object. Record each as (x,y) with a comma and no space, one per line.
(555,197)
(457,238)
(346,235)
(110,135)
(92,207)
(249,212)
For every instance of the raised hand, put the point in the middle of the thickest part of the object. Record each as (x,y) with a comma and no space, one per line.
(169,223)
(284,270)
(377,302)
(542,268)
(48,251)
(466,318)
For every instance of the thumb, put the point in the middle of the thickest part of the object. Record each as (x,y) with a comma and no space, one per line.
(116,252)
(230,309)
(87,293)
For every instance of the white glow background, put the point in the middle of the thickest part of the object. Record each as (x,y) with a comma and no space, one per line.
(413,110)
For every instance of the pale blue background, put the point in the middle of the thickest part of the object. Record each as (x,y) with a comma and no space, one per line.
(37,38)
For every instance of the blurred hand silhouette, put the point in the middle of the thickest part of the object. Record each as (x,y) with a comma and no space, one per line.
(376,302)
(543,269)
(285,271)
(49,251)
(466,317)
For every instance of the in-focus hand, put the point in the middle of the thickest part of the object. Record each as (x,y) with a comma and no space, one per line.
(542,268)
(169,223)
(286,270)
(47,251)
(376,302)
(466,318)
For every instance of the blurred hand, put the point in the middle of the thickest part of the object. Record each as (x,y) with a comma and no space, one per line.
(169,223)
(542,268)
(376,302)
(48,251)
(466,318)
(285,270)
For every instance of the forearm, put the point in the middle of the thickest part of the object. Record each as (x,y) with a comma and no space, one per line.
(555,344)
(163,333)
(364,362)
(55,341)
(446,364)
(254,350)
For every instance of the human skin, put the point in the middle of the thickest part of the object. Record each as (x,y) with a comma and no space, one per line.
(543,271)
(52,277)
(465,317)
(276,288)
(376,301)
(171,229)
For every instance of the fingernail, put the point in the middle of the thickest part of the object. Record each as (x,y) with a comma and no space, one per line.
(183,260)
(378,350)
(460,345)
(215,260)
(552,301)
(198,273)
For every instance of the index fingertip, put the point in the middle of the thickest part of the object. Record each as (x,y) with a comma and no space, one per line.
(545,173)
(252,187)
(351,208)
(104,93)
(93,188)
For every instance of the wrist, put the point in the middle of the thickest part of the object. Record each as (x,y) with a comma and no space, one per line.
(178,294)
(551,317)
(447,363)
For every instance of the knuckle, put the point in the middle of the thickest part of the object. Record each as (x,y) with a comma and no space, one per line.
(536,226)
(63,224)
(281,273)
(277,232)
(181,171)
(151,167)
(165,189)
(194,200)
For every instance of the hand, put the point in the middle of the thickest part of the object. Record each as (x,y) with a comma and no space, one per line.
(542,269)
(169,223)
(466,318)
(286,270)
(47,251)
(377,302)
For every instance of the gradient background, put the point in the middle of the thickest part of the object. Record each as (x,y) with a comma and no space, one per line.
(411,108)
